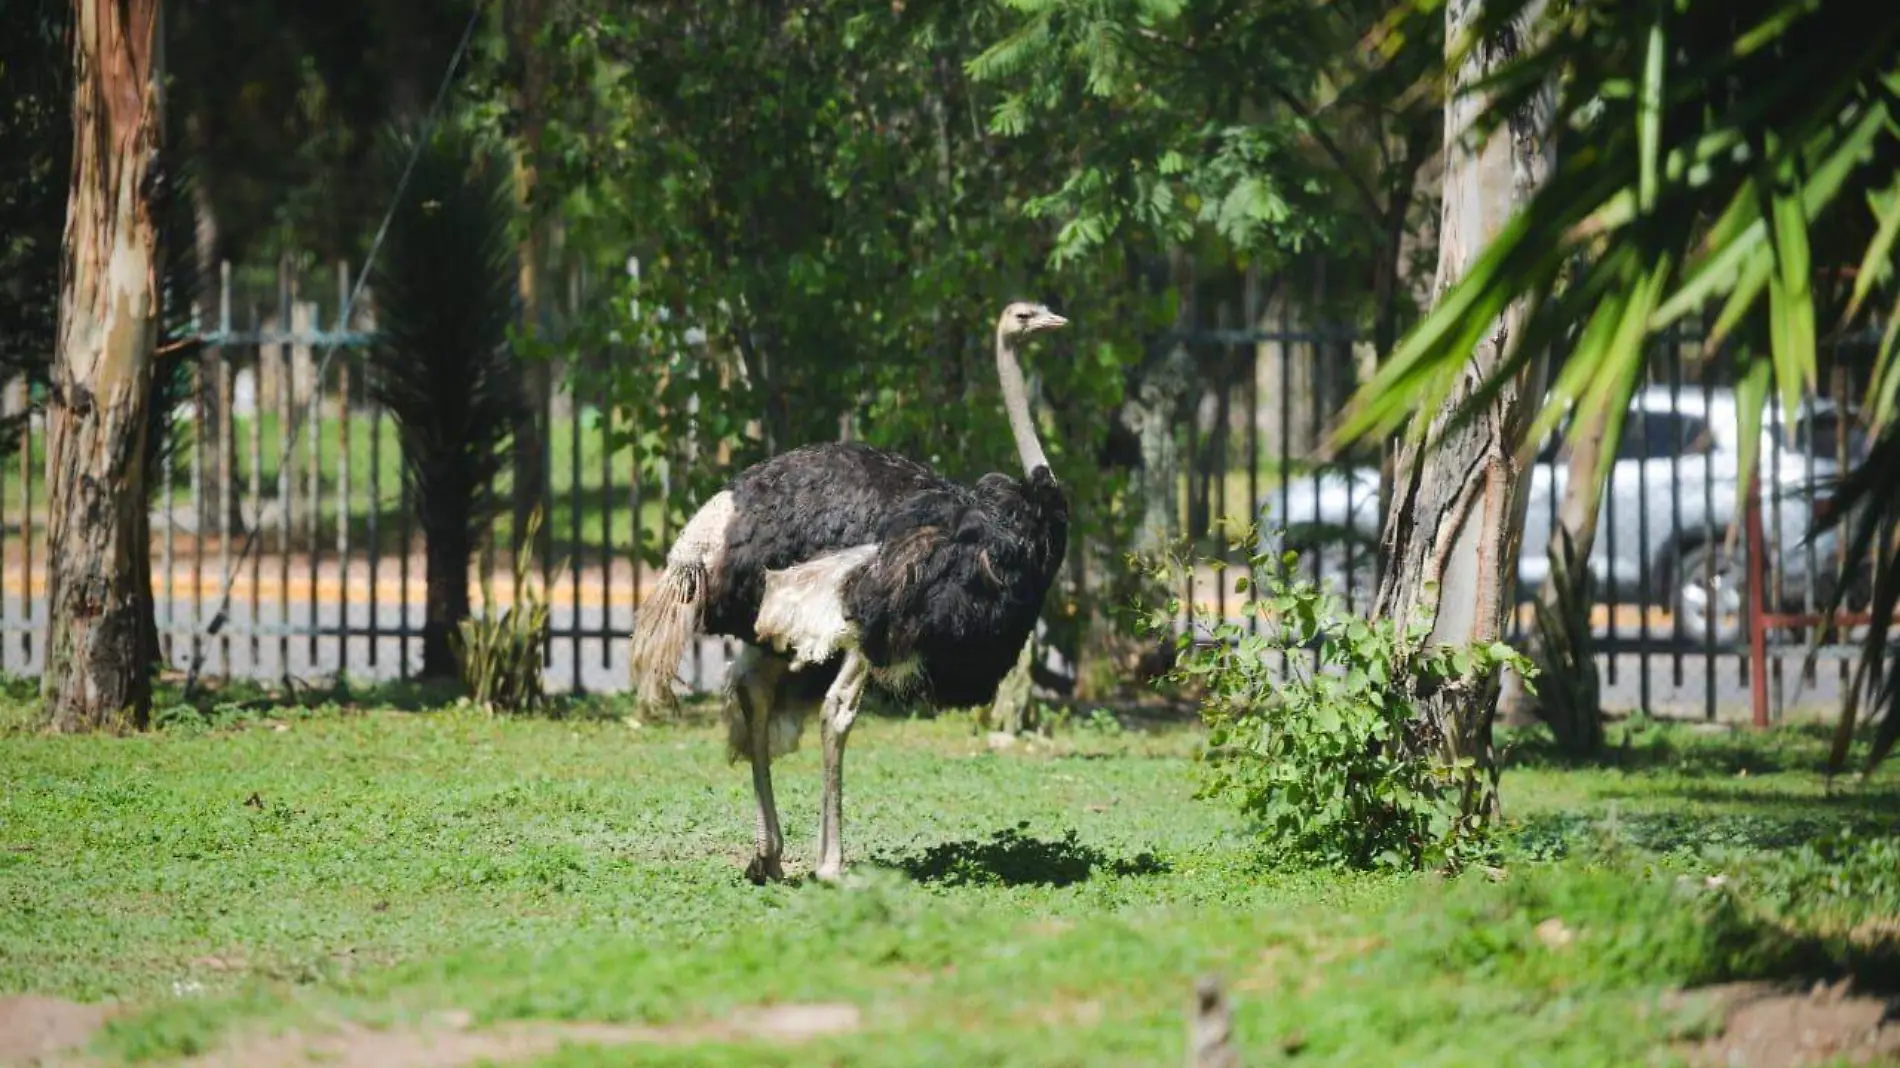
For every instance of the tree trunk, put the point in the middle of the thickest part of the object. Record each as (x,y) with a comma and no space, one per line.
(446,553)
(95,673)
(1451,537)
(523,20)
(218,511)
(1153,411)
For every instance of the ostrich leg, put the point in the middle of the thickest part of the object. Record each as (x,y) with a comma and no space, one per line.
(754,685)
(841,709)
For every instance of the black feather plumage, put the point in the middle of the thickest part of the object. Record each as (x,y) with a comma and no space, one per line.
(960,574)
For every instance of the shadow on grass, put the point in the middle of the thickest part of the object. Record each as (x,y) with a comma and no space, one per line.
(1011,858)
(1681,749)
(1759,820)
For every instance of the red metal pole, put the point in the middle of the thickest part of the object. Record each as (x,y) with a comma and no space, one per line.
(1757,559)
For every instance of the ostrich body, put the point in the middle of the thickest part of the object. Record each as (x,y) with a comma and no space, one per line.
(839,566)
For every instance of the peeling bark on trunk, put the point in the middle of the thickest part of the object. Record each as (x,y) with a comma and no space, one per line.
(98,575)
(1451,536)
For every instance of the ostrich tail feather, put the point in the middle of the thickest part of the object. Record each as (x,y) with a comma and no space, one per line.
(676,612)
(668,622)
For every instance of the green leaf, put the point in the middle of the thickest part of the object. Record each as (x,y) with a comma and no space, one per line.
(1649,119)
(1751,396)
(1791,297)
(1886,209)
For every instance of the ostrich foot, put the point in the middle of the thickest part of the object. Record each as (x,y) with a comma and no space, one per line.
(764,869)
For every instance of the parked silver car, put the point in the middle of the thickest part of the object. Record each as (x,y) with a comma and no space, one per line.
(1662,528)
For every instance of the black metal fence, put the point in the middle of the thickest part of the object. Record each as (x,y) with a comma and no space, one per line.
(334,583)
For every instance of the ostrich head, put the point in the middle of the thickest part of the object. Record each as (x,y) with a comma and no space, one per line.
(1026,318)
(1021,320)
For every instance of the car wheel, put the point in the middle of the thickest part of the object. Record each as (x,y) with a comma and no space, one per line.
(1711,597)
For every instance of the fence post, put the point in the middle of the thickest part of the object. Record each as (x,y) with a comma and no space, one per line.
(1757,639)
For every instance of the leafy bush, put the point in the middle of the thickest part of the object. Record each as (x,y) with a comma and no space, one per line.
(1310,733)
(499,652)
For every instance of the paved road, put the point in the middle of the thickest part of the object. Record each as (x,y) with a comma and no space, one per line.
(258,647)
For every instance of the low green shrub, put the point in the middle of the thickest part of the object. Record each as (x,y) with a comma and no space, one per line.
(1311,734)
(500,652)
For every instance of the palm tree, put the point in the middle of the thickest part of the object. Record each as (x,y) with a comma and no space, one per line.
(442,365)
(1735,161)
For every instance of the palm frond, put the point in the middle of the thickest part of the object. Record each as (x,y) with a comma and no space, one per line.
(1715,158)
(442,365)
(444,291)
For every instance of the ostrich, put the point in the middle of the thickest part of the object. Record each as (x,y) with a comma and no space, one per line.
(839,565)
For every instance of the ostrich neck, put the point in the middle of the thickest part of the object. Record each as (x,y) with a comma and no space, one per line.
(1016,403)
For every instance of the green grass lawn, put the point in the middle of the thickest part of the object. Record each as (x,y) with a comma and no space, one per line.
(1047,903)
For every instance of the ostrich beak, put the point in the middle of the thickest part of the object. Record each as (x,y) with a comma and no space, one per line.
(1050,321)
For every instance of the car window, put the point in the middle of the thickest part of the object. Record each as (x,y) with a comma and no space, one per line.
(1660,435)
(1820,435)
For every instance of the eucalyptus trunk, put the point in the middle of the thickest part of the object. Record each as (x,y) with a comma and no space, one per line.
(98,577)
(1451,536)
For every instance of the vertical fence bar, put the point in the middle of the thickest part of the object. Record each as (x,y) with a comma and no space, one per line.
(1755,551)
(1186,440)
(1611,599)
(606,496)
(545,549)
(637,528)
(168,550)
(1316,388)
(1709,653)
(576,499)
(373,521)
(1286,418)
(1250,313)
(9,619)
(1805,438)
(1673,356)
(286,295)
(200,390)
(6,568)
(255,487)
(1842,458)
(343,494)
(227,454)
(1769,563)
(666,504)
(1646,595)
(408,531)
(1219,450)
(1560,461)
(313,507)
(26,540)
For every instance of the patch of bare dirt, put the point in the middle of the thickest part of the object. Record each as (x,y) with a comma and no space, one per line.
(35,1029)
(448,1041)
(1772,1026)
